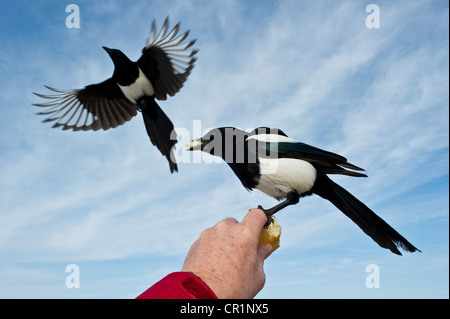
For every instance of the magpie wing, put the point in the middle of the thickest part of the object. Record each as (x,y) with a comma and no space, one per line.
(97,106)
(166,60)
(329,162)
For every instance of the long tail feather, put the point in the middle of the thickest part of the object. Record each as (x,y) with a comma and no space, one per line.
(160,129)
(374,226)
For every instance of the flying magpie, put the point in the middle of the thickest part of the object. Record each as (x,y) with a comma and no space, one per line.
(164,66)
(283,168)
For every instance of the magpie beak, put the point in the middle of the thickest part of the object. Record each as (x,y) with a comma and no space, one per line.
(161,71)
(110,51)
(284,168)
(197,144)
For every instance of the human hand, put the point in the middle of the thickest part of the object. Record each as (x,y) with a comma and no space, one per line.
(228,258)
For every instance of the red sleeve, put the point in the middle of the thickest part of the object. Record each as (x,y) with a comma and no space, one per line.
(179,285)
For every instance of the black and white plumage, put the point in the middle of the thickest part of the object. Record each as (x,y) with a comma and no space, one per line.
(283,168)
(164,66)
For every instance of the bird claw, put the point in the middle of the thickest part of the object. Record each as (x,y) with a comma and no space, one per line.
(268,215)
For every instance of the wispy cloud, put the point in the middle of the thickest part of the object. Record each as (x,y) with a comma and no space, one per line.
(378,97)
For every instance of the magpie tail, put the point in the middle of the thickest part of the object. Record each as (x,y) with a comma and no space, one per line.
(160,129)
(374,226)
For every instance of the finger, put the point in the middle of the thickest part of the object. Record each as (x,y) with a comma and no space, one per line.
(255,220)
(226,221)
(265,250)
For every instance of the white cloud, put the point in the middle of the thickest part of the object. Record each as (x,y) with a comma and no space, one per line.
(313,70)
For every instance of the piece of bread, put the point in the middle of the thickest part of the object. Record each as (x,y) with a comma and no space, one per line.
(271,234)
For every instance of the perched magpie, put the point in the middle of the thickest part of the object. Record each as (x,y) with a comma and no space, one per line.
(281,167)
(164,66)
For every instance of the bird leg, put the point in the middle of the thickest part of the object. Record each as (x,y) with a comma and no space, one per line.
(292,198)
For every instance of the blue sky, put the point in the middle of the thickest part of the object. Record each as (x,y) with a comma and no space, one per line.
(106,201)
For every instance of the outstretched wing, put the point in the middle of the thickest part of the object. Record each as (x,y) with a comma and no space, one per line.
(97,106)
(166,60)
